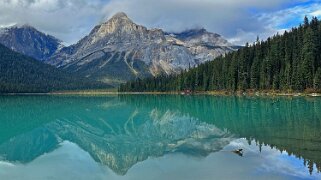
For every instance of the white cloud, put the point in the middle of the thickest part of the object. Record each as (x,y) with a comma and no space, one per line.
(236,20)
(282,20)
(239,21)
(67,20)
(316,13)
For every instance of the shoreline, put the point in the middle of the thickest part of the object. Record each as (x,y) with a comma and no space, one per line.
(213,93)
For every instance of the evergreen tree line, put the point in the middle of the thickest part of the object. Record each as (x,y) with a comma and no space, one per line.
(22,74)
(288,62)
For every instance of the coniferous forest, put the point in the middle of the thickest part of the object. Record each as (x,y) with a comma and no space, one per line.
(22,74)
(288,62)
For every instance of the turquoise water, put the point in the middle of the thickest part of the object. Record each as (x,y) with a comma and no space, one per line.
(159,137)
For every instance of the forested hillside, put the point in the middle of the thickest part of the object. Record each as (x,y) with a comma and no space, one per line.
(22,74)
(288,62)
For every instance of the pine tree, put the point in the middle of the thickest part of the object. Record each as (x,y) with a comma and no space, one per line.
(317,79)
(308,58)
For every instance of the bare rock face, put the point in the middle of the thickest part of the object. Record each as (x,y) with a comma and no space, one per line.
(203,45)
(29,41)
(120,50)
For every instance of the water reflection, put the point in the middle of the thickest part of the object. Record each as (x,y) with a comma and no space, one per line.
(120,131)
(288,124)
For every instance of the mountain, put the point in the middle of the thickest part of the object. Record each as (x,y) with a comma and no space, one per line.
(120,50)
(288,62)
(29,41)
(23,74)
(203,45)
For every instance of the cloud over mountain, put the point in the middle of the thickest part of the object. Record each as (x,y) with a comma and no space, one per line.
(239,21)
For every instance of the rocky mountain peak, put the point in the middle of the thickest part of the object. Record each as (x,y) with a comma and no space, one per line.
(119,22)
(119,50)
(15,27)
(200,36)
(192,32)
(28,40)
(120,29)
(120,19)
(121,16)
(23,26)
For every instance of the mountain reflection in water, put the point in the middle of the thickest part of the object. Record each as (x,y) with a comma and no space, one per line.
(120,131)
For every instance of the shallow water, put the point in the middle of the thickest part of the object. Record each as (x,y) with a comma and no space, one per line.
(159,137)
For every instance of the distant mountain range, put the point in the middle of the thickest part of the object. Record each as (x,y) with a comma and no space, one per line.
(119,50)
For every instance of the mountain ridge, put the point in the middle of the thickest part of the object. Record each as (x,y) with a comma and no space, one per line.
(119,50)
(25,39)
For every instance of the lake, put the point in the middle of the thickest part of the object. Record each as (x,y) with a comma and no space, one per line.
(159,137)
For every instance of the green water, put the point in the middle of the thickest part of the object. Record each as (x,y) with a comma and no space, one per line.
(159,137)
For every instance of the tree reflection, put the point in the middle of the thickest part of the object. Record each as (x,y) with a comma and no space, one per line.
(120,131)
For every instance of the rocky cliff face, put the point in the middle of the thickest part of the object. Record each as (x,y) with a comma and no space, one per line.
(120,50)
(29,41)
(203,45)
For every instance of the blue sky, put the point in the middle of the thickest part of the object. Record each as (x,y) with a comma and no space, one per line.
(239,21)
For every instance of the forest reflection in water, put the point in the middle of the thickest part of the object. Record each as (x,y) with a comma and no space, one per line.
(120,131)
